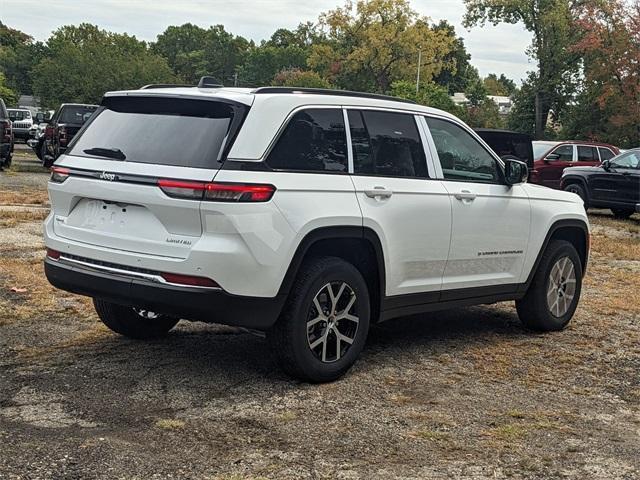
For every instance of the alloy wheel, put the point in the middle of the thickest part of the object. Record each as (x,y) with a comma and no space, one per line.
(561,288)
(332,321)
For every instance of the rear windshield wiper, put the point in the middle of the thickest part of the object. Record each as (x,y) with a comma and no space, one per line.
(114,153)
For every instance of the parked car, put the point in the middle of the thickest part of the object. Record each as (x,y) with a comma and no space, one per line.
(551,158)
(614,185)
(21,121)
(304,213)
(507,144)
(6,137)
(61,129)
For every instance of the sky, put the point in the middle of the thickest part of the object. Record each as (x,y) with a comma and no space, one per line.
(494,49)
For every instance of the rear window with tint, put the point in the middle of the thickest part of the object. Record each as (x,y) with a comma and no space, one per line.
(77,114)
(165,131)
(587,154)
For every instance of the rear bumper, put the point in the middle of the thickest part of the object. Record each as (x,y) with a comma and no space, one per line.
(205,305)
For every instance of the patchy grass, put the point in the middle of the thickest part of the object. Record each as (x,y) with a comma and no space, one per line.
(12,218)
(431,435)
(170,424)
(24,197)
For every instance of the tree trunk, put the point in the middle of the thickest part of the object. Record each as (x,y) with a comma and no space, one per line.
(541,119)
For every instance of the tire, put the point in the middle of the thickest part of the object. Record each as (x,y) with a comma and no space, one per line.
(578,190)
(301,325)
(622,213)
(128,322)
(538,311)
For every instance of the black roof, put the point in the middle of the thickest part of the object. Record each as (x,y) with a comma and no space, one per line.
(327,91)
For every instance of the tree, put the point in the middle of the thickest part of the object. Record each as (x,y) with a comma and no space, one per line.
(485,115)
(300,78)
(501,86)
(83,62)
(371,44)
(608,105)
(429,94)
(457,72)
(553,29)
(262,63)
(18,55)
(193,52)
(8,95)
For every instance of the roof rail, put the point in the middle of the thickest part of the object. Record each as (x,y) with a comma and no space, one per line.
(163,85)
(326,91)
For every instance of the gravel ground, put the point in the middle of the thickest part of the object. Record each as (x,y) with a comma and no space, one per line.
(462,394)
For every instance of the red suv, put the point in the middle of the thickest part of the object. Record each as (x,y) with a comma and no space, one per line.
(551,158)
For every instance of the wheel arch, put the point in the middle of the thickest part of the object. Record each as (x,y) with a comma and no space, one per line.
(575,232)
(576,179)
(359,246)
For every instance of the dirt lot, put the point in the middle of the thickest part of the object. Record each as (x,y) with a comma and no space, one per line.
(463,394)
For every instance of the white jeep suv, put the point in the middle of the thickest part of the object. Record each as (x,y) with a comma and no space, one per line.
(306,214)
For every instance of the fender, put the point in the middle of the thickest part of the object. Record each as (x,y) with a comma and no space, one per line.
(573,223)
(329,233)
(575,178)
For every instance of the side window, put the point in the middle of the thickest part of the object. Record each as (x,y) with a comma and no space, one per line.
(462,157)
(313,140)
(587,154)
(605,154)
(630,160)
(386,144)
(565,153)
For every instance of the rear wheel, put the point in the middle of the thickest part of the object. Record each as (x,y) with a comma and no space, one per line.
(133,322)
(325,322)
(578,190)
(553,296)
(622,213)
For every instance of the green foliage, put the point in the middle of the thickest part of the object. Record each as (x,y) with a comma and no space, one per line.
(83,62)
(193,52)
(429,94)
(7,94)
(476,92)
(264,62)
(502,85)
(18,55)
(485,115)
(457,72)
(370,45)
(300,78)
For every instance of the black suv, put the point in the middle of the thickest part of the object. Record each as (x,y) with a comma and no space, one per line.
(615,184)
(62,127)
(6,137)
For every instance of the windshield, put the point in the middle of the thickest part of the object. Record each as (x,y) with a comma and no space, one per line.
(77,114)
(540,148)
(166,131)
(17,115)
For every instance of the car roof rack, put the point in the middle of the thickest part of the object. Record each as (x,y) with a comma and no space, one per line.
(327,91)
(163,85)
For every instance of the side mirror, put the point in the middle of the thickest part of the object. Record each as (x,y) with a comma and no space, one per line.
(552,157)
(515,172)
(606,165)
(32,143)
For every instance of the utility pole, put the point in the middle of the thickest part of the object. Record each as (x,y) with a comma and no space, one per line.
(235,79)
(419,65)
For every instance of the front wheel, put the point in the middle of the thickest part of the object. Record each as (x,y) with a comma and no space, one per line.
(622,213)
(324,325)
(553,296)
(578,190)
(133,322)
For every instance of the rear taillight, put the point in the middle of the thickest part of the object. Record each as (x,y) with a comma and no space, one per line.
(62,135)
(53,254)
(217,192)
(5,128)
(59,174)
(189,280)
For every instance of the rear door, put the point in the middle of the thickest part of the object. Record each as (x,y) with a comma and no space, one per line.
(588,156)
(551,172)
(112,196)
(401,200)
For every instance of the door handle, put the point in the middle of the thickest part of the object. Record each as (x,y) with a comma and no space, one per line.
(465,195)
(378,192)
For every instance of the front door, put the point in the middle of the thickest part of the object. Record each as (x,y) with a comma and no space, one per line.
(401,201)
(551,172)
(491,220)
